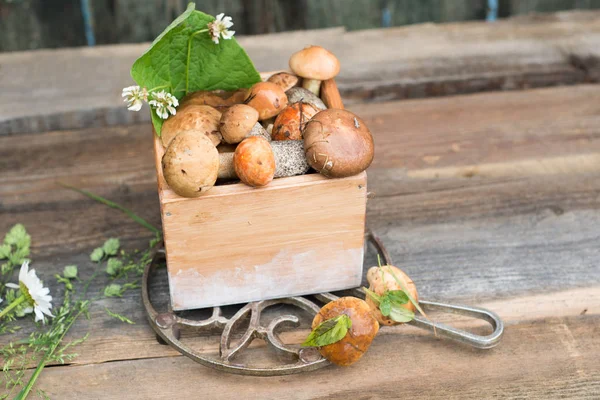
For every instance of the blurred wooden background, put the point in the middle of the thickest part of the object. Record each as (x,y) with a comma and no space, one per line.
(33,24)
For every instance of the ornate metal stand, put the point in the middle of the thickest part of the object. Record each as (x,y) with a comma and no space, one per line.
(168,325)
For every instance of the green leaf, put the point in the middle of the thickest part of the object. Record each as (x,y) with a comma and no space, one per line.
(385,306)
(5,250)
(397,297)
(19,255)
(113,290)
(70,272)
(17,236)
(113,266)
(120,317)
(406,291)
(180,65)
(329,331)
(111,247)
(401,314)
(97,255)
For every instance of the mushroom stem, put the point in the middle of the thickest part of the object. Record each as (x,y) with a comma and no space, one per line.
(226,168)
(289,160)
(314,85)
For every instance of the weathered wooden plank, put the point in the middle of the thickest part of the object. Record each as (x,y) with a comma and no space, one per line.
(522,241)
(551,358)
(417,61)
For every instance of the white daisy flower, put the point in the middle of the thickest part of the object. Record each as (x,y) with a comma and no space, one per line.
(220,28)
(164,103)
(134,97)
(36,295)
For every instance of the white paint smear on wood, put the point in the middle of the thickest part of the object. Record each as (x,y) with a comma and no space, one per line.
(287,274)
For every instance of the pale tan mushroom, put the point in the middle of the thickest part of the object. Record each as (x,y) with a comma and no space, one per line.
(284,80)
(314,64)
(200,119)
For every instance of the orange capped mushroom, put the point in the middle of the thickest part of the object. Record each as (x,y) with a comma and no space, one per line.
(290,122)
(267,98)
(254,162)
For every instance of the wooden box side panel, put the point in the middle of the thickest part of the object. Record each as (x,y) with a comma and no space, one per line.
(260,244)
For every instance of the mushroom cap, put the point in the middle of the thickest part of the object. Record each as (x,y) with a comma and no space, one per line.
(254,161)
(237,122)
(379,284)
(284,80)
(359,337)
(338,143)
(315,62)
(200,119)
(289,123)
(267,98)
(219,99)
(190,164)
(297,94)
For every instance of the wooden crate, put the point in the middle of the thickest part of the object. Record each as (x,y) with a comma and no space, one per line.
(235,244)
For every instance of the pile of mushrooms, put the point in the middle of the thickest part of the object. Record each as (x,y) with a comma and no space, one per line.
(277,128)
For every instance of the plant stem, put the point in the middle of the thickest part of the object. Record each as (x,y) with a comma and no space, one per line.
(40,367)
(189,56)
(159,87)
(111,204)
(12,305)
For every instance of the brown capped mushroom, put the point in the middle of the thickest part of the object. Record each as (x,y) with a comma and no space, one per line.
(364,327)
(203,120)
(237,122)
(297,94)
(338,143)
(267,98)
(190,164)
(290,122)
(284,80)
(314,64)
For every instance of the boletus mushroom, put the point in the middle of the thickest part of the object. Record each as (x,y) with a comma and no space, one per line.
(314,64)
(290,122)
(297,94)
(364,327)
(267,98)
(254,162)
(219,99)
(338,143)
(251,162)
(237,122)
(382,279)
(200,119)
(190,164)
(284,80)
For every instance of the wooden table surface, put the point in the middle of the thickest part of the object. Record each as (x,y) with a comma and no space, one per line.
(489,199)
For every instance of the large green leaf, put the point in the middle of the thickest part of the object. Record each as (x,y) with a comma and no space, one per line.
(181,65)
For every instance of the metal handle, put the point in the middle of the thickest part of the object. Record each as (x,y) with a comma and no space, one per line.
(442,330)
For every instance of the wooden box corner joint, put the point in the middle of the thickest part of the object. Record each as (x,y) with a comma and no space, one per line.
(298,235)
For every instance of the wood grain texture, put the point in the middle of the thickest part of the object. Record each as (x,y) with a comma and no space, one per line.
(301,235)
(549,358)
(377,65)
(489,199)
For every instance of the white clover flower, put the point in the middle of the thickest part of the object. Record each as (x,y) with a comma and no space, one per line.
(219,27)
(164,103)
(134,97)
(36,295)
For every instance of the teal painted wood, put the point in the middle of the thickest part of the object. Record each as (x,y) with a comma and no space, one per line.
(32,24)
